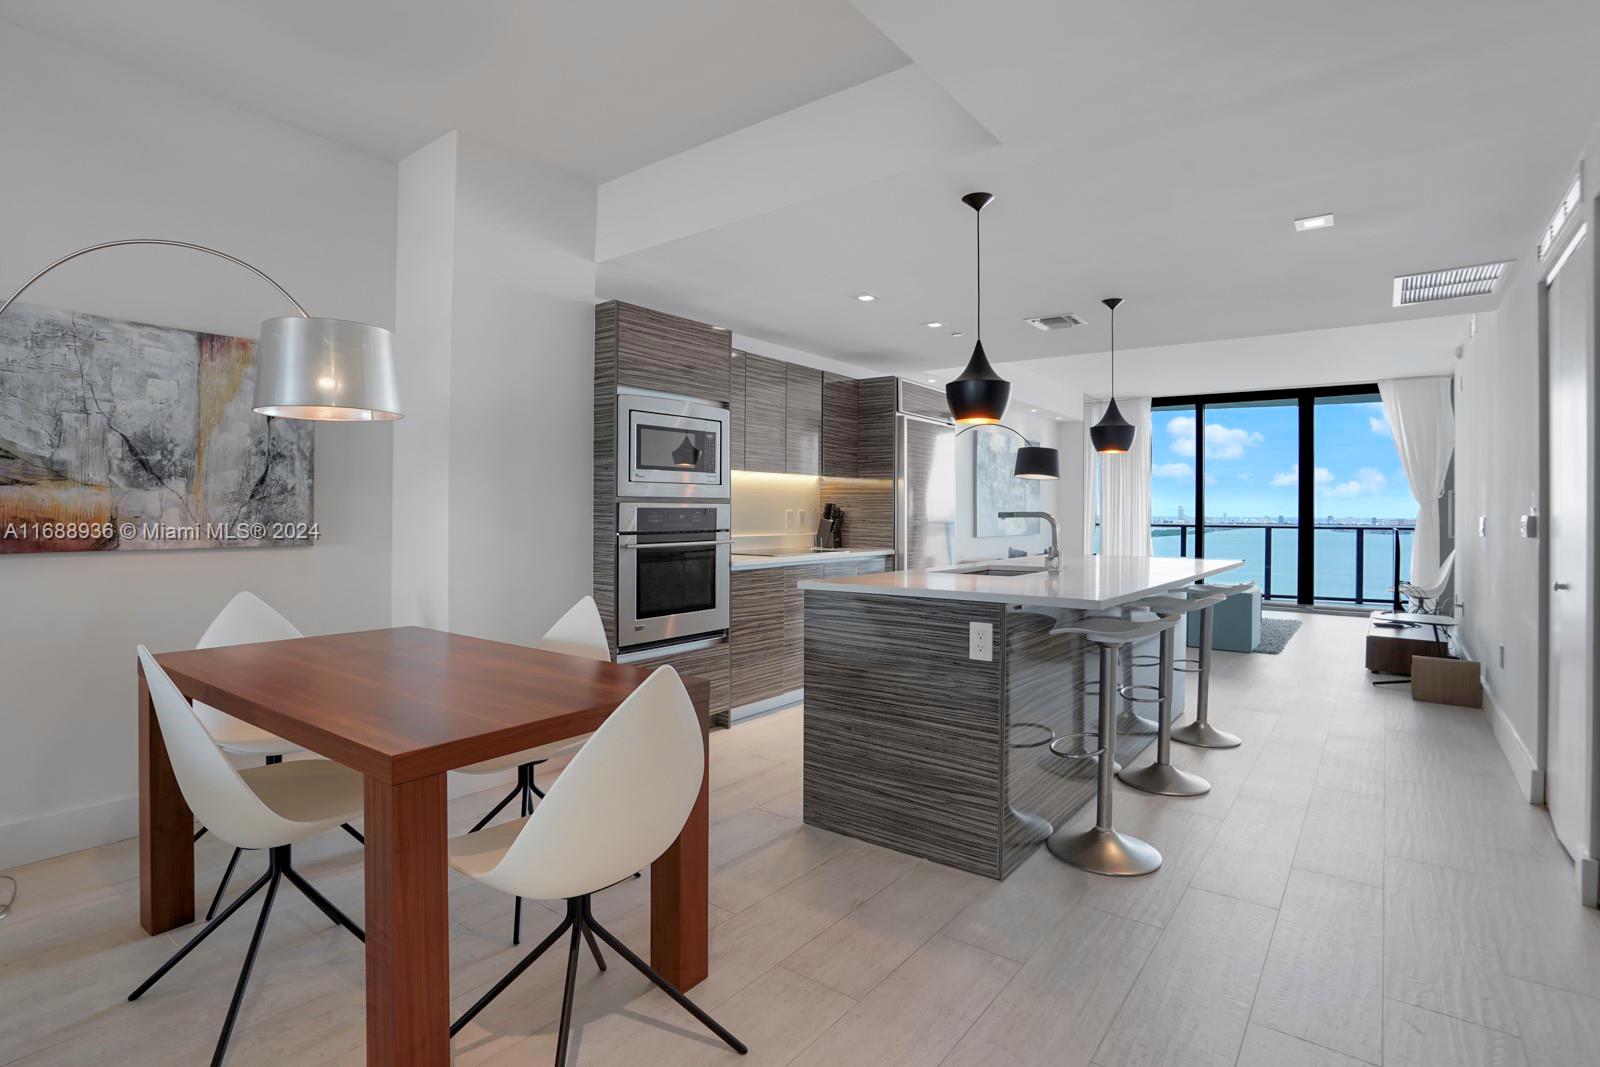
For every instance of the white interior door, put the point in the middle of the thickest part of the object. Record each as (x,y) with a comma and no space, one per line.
(1568,310)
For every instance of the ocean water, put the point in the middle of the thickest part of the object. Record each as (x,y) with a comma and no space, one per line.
(1335,558)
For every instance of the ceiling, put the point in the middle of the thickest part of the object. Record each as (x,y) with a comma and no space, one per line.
(593,88)
(1154,151)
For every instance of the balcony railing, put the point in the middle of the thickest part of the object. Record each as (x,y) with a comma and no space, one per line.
(1376,560)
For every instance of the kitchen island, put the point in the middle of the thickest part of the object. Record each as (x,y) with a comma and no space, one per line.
(940,715)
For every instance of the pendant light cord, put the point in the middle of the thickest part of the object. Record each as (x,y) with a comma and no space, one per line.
(1113,354)
(977,221)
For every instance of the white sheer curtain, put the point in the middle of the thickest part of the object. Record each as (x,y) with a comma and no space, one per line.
(1424,426)
(1123,484)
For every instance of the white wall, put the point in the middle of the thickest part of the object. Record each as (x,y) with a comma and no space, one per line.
(94,152)
(492,463)
(424,281)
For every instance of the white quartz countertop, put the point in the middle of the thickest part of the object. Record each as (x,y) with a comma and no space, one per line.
(742,562)
(1082,582)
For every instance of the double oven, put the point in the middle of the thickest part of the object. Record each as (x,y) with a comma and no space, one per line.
(674,521)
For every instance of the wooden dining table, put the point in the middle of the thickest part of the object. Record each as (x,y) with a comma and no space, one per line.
(403,707)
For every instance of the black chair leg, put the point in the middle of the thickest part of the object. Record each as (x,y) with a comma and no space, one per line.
(201,936)
(323,904)
(198,834)
(594,946)
(244,972)
(512,975)
(481,823)
(564,1036)
(353,832)
(222,886)
(586,918)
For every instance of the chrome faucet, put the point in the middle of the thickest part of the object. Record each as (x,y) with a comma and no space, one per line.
(1052,554)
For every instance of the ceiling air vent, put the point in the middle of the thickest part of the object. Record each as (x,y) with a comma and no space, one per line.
(1446,284)
(1064,321)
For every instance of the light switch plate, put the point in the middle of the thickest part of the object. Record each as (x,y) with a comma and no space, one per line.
(980,641)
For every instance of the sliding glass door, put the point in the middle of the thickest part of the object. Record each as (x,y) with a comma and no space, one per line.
(1304,486)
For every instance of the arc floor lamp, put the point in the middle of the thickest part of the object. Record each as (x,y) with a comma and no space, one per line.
(326,370)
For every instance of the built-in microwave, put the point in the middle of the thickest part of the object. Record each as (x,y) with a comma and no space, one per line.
(673,564)
(672,446)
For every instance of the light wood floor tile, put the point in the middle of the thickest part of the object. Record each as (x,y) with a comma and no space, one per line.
(762,871)
(1011,917)
(1541,936)
(1182,839)
(1415,1037)
(917,1014)
(1191,1002)
(1057,1008)
(1558,1028)
(1343,836)
(1252,852)
(1268,1048)
(1283,774)
(861,949)
(1323,979)
(1354,765)
(1439,951)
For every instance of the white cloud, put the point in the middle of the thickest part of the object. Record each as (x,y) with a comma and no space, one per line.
(1320,477)
(1367,480)
(1222,442)
(1380,425)
(1172,470)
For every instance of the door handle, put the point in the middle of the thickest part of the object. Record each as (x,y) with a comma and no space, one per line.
(1562,585)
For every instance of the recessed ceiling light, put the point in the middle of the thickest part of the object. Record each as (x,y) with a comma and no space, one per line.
(932,380)
(865,298)
(957,333)
(1313,222)
(1446,284)
(1033,411)
(933,325)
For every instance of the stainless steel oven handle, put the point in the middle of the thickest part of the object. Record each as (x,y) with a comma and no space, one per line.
(674,544)
(663,651)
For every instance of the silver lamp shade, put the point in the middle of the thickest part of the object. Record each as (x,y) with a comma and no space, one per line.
(330,370)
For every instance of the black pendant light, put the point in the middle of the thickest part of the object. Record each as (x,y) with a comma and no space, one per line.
(1113,434)
(979,397)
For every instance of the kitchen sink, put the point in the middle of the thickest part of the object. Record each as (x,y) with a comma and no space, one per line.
(1002,572)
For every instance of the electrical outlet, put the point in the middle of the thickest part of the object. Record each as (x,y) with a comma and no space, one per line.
(788,518)
(980,641)
(1483,525)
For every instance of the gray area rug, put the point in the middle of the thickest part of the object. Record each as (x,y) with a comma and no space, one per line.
(1276,631)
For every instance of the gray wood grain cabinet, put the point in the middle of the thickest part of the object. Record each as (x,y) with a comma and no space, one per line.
(736,413)
(803,420)
(794,621)
(766,404)
(756,635)
(654,350)
(841,426)
(708,663)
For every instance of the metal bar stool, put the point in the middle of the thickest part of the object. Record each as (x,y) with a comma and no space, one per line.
(1201,733)
(1036,826)
(1161,777)
(1101,849)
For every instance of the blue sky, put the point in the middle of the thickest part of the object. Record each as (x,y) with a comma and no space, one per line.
(1251,467)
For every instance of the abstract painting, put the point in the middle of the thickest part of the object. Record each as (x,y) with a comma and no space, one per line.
(996,489)
(119,435)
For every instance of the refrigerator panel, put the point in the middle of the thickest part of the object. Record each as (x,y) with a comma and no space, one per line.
(925,493)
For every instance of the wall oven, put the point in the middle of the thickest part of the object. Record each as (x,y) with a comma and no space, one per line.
(673,570)
(672,447)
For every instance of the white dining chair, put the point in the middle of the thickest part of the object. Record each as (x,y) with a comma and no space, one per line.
(579,632)
(269,807)
(592,831)
(245,620)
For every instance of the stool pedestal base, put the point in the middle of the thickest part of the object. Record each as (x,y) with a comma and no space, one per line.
(1165,780)
(1204,735)
(1104,852)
